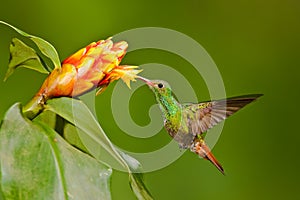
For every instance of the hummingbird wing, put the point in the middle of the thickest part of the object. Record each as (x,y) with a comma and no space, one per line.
(205,115)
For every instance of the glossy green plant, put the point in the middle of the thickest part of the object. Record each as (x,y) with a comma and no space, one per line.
(52,153)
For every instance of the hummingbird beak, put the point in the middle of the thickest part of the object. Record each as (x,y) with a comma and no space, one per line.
(147,81)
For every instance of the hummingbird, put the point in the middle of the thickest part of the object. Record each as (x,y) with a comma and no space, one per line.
(188,123)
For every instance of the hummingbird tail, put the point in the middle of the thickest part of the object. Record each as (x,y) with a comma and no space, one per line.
(203,150)
(215,162)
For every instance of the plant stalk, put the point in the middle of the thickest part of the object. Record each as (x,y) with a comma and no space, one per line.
(34,107)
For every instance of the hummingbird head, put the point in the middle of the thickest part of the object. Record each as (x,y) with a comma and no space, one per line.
(163,94)
(159,87)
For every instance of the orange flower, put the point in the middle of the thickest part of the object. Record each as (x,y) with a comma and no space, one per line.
(94,66)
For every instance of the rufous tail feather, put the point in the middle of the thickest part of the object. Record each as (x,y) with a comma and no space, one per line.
(200,148)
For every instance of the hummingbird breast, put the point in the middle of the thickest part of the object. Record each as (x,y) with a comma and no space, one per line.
(176,121)
(180,133)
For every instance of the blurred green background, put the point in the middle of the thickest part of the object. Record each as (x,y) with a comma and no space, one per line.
(255,45)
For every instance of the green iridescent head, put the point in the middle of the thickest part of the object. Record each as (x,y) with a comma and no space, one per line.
(168,105)
(159,87)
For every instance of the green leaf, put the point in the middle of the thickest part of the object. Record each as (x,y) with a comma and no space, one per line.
(1,193)
(88,128)
(45,47)
(70,134)
(36,163)
(97,143)
(47,117)
(138,186)
(22,55)
(136,179)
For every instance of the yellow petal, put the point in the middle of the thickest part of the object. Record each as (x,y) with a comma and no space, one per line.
(127,73)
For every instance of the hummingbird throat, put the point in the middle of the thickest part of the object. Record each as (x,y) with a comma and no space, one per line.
(169,106)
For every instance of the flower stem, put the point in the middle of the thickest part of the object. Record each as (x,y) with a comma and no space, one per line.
(34,107)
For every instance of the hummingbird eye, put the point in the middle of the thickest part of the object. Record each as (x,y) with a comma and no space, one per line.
(160,85)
